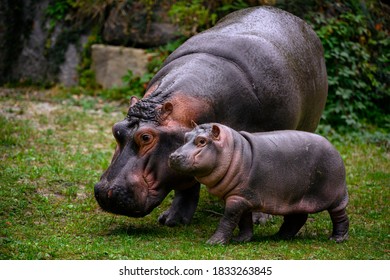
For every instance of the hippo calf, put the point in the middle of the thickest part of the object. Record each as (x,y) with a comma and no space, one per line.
(289,173)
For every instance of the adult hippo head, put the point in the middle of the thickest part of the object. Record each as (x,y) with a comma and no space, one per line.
(138,178)
(258,69)
(134,187)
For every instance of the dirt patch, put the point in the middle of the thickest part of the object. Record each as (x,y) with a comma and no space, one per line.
(25,109)
(40,108)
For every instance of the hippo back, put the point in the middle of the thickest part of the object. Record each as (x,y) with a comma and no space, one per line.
(280,56)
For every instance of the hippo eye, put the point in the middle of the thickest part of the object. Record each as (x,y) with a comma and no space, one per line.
(200,141)
(146,137)
(145,140)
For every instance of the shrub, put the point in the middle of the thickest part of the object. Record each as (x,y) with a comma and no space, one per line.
(192,16)
(357,60)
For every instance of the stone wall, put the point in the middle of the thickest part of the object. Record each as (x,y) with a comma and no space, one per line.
(32,50)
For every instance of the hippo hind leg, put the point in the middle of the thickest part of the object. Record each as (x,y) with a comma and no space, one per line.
(291,225)
(340,223)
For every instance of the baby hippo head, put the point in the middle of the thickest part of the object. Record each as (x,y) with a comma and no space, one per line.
(200,154)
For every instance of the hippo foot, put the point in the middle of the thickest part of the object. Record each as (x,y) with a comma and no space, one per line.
(260,218)
(171,219)
(339,238)
(183,207)
(218,238)
(243,237)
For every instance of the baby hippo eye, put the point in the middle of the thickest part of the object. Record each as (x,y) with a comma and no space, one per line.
(200,141)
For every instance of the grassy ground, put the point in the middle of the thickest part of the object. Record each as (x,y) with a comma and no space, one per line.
(53,150)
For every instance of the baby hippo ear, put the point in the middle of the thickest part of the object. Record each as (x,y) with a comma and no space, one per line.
(193,124)
(215,131)
(133,100)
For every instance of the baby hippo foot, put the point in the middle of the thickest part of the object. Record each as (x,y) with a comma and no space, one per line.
(339,238)
(340,225)
(236,213)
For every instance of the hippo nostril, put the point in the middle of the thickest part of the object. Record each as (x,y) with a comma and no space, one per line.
(97,191)
(176,157)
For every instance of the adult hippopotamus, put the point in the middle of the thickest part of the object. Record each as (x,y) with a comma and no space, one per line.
(258,69)
(289,173)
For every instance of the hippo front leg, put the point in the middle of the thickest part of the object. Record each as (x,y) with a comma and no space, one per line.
(235,208)
(246,228)
(183,207)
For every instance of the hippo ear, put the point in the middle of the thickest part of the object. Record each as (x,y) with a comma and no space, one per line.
(152,89)
(215,131)
(133,100)
(166,110)
(193,124)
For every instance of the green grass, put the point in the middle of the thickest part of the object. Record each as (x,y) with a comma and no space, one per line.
(53,149)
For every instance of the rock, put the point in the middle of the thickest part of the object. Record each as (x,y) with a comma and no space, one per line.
(129,25)
(68,75)
(157,35)
(32,64)
(111,63)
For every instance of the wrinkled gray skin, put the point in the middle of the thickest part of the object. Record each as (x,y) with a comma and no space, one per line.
(258,69)
(289,173)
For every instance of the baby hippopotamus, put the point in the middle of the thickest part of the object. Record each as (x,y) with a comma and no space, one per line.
(289,173)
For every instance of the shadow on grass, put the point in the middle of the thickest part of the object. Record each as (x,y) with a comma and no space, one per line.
(306,238)
(147,229)
(140,230)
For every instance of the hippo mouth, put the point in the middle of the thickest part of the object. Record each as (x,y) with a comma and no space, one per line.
(182,163)
(123,200)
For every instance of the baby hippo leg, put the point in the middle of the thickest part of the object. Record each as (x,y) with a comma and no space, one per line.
(340,223)
(291,225)
(246,228)
(235,207)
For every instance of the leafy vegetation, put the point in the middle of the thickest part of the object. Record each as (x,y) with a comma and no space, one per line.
(358,68)
(77,10)
(191,16)
(54,145)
